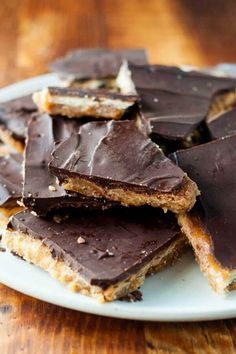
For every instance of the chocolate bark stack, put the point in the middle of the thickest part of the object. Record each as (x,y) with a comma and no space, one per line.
(101,198)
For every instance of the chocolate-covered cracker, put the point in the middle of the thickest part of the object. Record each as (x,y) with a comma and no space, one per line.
(41,191)
(101,254)
(14,117)
(84,103)
(175,102)
(222,125)
(210,225)
(95,67)
(115,160)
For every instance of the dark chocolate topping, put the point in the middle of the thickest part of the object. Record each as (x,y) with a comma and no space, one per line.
(223,125)
(117,243)
(175,80)
(171,115)
(116,154)
(96,63)
(41,191)
(15,115)
(174,101)
(213,167)
(10,180)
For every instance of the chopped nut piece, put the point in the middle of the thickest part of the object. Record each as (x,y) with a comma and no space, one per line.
(81,240)
(57,219)
(19,202)
(52,188)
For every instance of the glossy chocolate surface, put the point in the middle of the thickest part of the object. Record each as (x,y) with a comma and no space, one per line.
(170,115)
(41,191)
(174,101)
(15,115)
(116,155)
(213,167)
(116,243)
(223,125)
(96,63)
(10,180)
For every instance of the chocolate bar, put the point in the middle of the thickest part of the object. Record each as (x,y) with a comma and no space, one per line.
(175,102)
(83,103)
(115,160)
(210,225)
(14,117)
(41,191)
(101,254)
(95,68)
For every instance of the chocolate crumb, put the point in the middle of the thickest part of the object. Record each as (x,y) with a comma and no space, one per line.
(134,296)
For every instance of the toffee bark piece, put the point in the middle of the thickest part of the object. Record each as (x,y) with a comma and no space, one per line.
(14,117)
(95,68)
(120,247)
(41,191)
(10,185)
(83,103)
(222,125)
(175,102)
(116,161)
(210,225)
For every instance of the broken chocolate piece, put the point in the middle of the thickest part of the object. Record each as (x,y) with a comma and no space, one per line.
(116,161)
(95,68)
(83,103)
(10,186)
(210,225)
(139,239)
(14,117)
(222,125)
(175,102)
(10,180)
(41,191)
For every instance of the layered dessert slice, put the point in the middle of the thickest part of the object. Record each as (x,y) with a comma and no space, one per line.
(84,103)
(41,191)
(174,102)
(100,254)
(95,68)
(115,160)
(210,225)
(14,117)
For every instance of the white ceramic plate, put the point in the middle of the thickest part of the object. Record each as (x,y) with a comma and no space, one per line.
(179,293)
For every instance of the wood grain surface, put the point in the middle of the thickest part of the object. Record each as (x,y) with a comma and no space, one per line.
(33,32)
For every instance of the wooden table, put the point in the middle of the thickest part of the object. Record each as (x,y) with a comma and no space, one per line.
(32,32)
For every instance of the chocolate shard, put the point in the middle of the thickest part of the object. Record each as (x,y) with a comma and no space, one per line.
(210,225)
(116,161)
(41,191)
(84,103)
(14,117)
(175,102)
(10,180)
(120,247)
(95,67)
(222,125)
